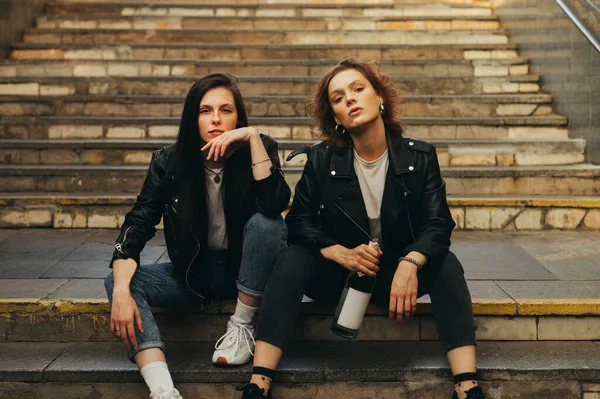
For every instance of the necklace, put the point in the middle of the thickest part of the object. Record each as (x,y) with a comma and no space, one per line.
(217,175)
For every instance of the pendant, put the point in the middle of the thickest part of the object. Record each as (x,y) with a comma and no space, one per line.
(217,179)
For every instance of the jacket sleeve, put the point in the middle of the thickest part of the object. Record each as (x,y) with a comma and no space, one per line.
(272,192)
(433,236)
(139,223)
(303,217)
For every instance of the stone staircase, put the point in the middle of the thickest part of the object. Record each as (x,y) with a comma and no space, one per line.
(95,86)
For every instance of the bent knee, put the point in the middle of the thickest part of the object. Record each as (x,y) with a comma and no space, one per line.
(266,227)
(295,260)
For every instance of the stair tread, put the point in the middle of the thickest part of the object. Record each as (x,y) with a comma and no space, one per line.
(303,362)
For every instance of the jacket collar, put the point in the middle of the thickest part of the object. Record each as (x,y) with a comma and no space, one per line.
(400,159)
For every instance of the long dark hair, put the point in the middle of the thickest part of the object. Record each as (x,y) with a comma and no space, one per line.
(320,108)
(187,164)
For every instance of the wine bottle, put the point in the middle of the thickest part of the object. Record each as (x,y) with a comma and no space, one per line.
(353,303)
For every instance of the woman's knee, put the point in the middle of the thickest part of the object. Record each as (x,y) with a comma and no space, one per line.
(265,229)
(295,261)
(450,269)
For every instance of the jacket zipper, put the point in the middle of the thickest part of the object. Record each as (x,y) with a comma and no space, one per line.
(119,245)
(352,220)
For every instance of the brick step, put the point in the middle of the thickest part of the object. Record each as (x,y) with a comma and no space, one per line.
(258,85)
(138,152)
(112,21)
(498,212)
(314,67)
(580,179)
(531,128)
(324,9)
(457,3)
(319,370)
(105,36)
(247,51)
(422,106)
(498,319)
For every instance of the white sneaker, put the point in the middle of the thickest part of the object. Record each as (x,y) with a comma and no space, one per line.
(236,346)
(162,394)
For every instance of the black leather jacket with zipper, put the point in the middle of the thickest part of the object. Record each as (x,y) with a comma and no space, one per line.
(328,206)
(159,198)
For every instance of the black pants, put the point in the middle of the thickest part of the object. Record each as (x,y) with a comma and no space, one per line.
(299,271)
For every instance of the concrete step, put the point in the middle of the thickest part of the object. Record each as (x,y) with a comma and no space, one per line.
(315,370)
(274,105)
(138,152)
(232,51)
(498,319)
(532,128)
(308,67)
(298,9)
(498,212)
(257,85)
(580,179)
(113,21)
(106,36)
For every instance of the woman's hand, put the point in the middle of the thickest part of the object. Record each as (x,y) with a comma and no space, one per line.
(403,295)
(362,259)
(122,315)
(222,146)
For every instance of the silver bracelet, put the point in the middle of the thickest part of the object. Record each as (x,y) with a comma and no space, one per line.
(413,261)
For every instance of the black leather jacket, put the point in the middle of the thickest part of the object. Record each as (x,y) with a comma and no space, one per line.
(159,197)
(328,206)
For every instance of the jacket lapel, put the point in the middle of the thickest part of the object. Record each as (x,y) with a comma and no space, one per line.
(346,188)
(395,193)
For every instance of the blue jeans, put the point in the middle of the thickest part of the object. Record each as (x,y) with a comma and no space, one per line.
(163,286)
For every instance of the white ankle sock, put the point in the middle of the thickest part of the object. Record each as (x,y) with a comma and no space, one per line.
(156,375)
(245,313)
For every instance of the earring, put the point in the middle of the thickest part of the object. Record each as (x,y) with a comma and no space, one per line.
(381,109)
(340,132)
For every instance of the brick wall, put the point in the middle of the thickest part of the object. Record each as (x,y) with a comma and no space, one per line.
(15,16)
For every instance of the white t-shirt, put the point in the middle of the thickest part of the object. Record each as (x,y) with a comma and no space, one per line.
(217,227)
(371,177)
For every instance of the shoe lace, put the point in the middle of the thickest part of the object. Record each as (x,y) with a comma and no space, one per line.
(232,337)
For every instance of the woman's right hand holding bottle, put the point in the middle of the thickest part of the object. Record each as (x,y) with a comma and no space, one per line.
(363,259)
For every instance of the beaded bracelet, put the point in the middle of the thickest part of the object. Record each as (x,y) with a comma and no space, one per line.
(259,162)
(411,260)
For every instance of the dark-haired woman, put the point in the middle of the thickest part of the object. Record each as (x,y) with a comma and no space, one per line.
(220,193)
(366,181)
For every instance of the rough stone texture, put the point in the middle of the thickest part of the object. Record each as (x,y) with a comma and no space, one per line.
(592,219)
(74,131)
(564,218)
(102,221)
(516,109)
(500,217)
(530,219)
(46,90)
(163,131)
(478,218)
(533,133)
(372,329)
(125,133)
(458,215)
(569,328)
(26,361)
(23,89)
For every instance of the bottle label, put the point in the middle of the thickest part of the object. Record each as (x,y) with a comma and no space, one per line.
(354,308)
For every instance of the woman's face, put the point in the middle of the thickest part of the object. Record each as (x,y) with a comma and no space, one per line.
(217,113)
(353,99)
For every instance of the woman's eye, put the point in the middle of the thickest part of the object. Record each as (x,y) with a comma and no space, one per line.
(359,89)
(204,111)
(337,100)
(227,111)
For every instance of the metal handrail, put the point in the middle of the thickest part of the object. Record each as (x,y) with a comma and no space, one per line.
(580,25)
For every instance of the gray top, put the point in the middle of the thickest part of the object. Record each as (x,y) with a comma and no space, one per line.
(371,177)
(217,227)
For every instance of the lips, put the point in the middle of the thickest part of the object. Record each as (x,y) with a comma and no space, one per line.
(355,111)
(215,131)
